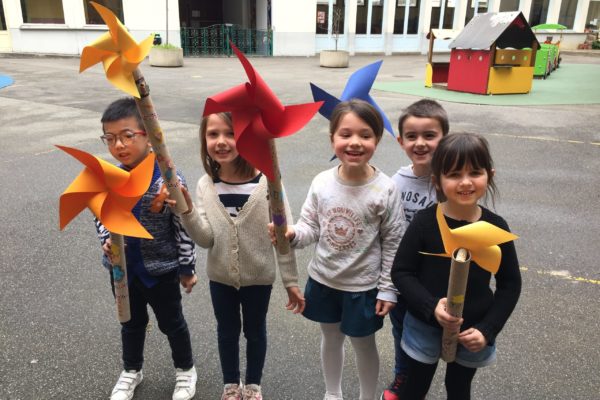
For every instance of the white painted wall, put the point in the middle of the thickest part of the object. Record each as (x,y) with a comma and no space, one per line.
(71,37)
(5,38)
(294,27)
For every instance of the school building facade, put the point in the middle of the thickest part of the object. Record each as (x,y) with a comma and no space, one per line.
(284,27)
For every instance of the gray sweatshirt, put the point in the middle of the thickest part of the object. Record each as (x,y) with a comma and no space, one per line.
(416,192)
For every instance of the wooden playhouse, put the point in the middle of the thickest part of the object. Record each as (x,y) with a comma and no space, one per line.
(493,54)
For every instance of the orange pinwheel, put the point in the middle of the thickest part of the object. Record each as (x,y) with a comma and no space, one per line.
(108,191)
(480,238)
(117,50)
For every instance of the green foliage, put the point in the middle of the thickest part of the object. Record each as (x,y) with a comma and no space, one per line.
(596,45)
(167,46)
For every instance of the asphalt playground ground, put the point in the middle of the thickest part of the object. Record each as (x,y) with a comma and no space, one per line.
(59,337)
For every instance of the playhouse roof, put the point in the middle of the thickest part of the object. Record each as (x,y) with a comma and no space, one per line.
(506,29)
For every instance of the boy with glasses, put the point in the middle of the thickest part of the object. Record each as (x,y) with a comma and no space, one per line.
(155,267)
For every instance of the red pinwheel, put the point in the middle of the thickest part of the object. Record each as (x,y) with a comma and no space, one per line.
(258,116)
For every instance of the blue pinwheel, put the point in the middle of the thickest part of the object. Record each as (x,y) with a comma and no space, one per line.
(358,87)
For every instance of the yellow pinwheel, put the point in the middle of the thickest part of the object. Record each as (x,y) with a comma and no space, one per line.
(108,191)
(117,50)
(480,238)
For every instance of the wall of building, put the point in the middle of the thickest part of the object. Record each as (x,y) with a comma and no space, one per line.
(293,24)
(5,39)
(71,37)
(569,41)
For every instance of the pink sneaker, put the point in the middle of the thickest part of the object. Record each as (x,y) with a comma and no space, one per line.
(232,391)
(252,392)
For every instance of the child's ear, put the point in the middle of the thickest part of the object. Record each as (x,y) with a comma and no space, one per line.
(400,140)
(493,173)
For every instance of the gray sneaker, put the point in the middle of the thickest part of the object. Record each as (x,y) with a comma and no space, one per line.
(128,381)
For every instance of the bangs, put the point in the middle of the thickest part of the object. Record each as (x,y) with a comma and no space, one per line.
(466,153)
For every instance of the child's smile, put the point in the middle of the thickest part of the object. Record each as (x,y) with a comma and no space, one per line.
(354,142)
(220,142)
(419,139)
(466,186)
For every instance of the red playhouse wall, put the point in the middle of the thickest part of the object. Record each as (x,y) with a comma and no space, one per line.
(469,70)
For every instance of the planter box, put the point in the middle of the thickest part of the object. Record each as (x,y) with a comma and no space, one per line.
(160,57)
(334,58)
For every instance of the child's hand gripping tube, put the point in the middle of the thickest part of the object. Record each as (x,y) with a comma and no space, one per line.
(159,146)
(457,287)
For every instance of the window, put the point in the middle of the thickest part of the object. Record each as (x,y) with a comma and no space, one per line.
(539,12)
(362,12)
(413,16)
(2,19)
(481,9)
(436,13)
(42,12)
(93,18)
(336,19)
(567,13)
(362,16)
(377,17)
(509,5)
(593,17)
(322,17)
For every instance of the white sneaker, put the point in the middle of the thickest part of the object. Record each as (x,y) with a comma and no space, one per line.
(333,396)
(185,384)
(128,381)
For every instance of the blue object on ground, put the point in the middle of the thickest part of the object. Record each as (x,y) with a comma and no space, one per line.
(5,81)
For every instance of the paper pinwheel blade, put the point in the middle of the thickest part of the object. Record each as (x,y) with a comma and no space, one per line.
(258,116)
(108,191)
(119,52)
(358,87)
(480,238)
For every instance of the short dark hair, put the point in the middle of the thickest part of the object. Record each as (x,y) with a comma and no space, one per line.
(122,108)
(426,108)
(363,110)
(458,150)
(242,167)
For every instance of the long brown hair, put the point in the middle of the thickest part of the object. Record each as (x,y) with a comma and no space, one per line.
(242,167)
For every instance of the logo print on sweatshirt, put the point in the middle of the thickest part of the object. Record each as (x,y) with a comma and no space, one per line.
(343,228)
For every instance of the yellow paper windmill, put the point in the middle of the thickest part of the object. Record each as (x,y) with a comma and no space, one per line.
(117,50)
(480,238)
(108,191)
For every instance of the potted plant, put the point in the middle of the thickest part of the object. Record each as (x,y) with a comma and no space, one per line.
(335,58)
(165,55)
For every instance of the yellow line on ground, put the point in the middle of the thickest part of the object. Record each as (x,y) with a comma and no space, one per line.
(563,275)
(545,139)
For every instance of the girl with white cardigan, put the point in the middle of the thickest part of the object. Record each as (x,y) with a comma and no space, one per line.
(229,218)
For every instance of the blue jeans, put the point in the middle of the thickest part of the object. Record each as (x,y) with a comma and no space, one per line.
(165,300)
(397,319)
(254,303)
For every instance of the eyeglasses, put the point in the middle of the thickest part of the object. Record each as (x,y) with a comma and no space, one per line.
(127,137)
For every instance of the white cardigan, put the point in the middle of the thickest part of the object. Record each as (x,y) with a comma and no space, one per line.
(239,250)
